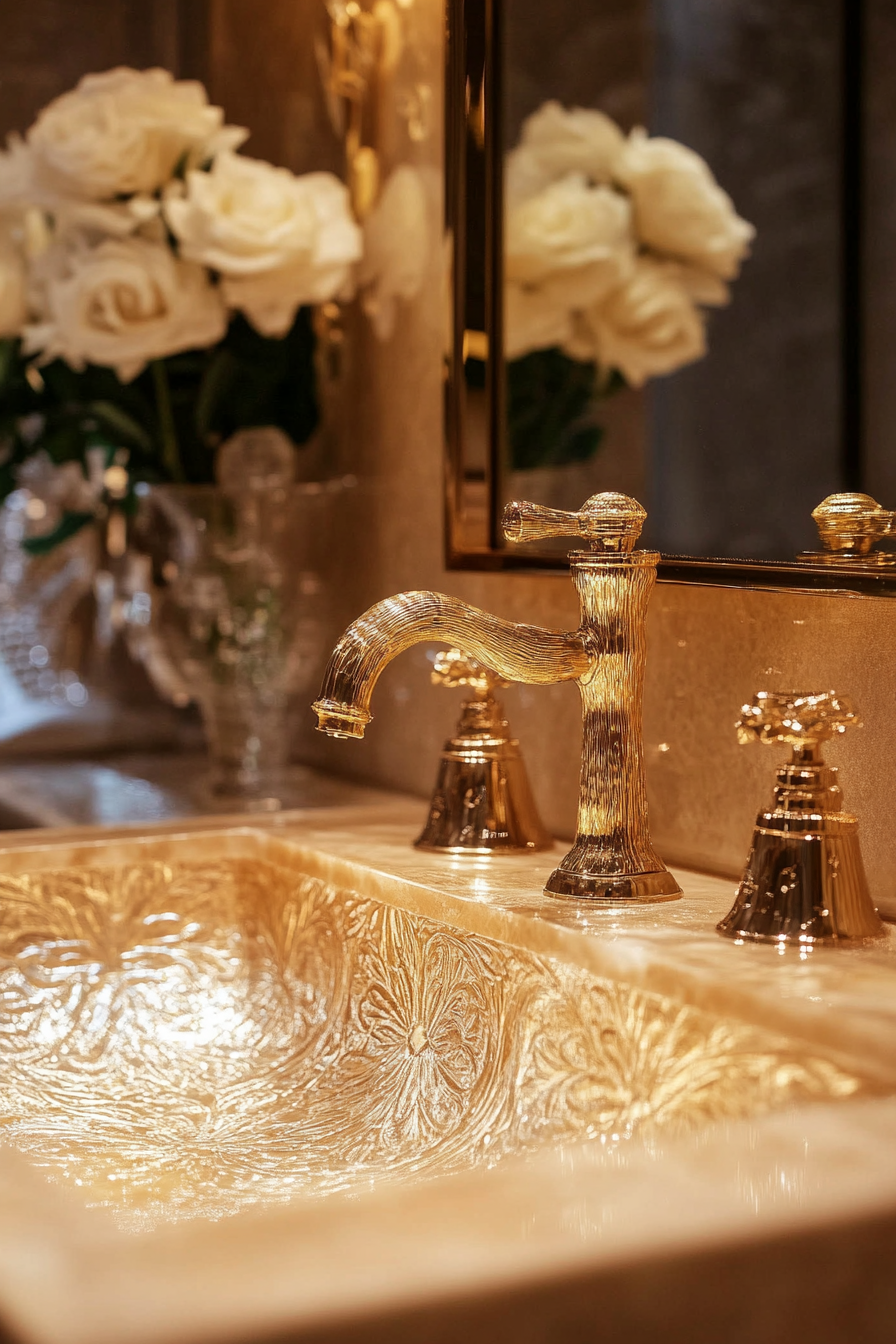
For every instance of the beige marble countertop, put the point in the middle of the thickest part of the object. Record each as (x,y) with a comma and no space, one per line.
(660,1240)
(136,788)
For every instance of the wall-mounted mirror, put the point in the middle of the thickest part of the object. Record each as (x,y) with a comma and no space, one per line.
(738,363)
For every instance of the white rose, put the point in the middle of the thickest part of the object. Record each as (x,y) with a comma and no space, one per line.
(27,194)
(396,249)
(122,304)
(563,140)
(13,306)
(680,209)
(101,219)
(26,188)
(523,177)
(16,176)
(564,249)
(124,132)
(570,231)
(703,286)
(534,319)
(278,241)
(245,216)
(650,325)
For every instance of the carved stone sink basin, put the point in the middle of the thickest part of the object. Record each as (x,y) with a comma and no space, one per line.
(295,1080)
(192,1026)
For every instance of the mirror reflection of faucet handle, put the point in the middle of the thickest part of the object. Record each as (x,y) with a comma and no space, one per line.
(850,525)
(609,522)
(804,882)
(482,802)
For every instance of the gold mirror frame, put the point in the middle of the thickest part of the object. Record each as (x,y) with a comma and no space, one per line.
(474,419)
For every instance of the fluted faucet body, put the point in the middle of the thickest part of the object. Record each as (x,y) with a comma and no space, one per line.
(612,858)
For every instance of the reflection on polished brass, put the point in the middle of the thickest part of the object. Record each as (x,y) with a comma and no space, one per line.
(220,1029)
(612,859)
(351,65)
(482,803)
(850,526)
(804,881)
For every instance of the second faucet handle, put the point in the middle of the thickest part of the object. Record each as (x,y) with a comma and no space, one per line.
(609,521)
(804,881)
(482,802)
(796,719)
(453,667)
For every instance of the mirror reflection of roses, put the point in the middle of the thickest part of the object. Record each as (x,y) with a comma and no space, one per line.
(615,247)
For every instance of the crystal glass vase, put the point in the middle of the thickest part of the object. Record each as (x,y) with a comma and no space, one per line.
(39,595)
(240,616)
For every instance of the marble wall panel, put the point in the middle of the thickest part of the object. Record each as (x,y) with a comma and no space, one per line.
(262,69)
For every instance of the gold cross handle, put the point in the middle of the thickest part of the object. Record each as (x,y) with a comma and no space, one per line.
(453,667)
(797,718)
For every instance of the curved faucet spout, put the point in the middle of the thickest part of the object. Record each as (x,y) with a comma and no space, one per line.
(517,652)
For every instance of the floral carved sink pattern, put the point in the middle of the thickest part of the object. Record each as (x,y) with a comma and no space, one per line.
(196,1034)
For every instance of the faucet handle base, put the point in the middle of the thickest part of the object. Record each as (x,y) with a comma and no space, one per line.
(803,886)
(614,889)
(804,882)
(482,803)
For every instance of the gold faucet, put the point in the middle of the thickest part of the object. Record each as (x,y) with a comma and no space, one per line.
(612,858)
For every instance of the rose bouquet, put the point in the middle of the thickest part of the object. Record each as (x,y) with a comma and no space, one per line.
(156,286)
(614,248)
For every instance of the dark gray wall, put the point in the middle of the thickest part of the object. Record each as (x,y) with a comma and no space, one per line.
(748,441)
(595,55)
(743,445)
(880,251)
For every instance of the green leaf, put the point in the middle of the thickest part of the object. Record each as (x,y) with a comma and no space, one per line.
(551,400)
(246,380)
(220,372)
(8,353)
(580,445)
(63,440)
(68,526)
(116,419)
(259,380)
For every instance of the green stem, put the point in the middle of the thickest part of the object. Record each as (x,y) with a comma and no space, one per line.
(170,447)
